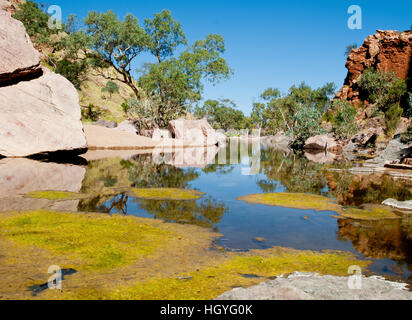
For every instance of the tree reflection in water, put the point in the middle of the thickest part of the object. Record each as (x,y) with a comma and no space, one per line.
(105,176)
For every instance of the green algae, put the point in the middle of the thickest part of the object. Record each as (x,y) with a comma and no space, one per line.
(293,200)
(55,195)
(166,194)
(101,242)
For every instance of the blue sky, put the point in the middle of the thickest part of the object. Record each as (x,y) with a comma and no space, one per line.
(269,43)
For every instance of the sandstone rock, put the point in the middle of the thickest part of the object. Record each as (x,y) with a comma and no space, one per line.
(106,124)
(385,51)
(127,126)
(321,142)
(40,116)
(193,132)
(404,205)
(160,134)
(221,137)
(307,286)
(18,58)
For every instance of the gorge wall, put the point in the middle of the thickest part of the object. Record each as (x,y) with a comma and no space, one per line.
(385,51)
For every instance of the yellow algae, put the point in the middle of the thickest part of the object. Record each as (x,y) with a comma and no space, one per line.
(55,195)
(166,194)
(100,241)
(293,200)
(369,213)
(210,282)
(120,257)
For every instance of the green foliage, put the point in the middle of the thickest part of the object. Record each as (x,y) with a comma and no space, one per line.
(91,113)
(343,119)
(145,112)
(307,124)
(383,89)
(71,70)
(35,21)
(222,114)
(288,113)
(349,49)
(388,93)
(166,35)
(177,80)
(111,87)
(392,118)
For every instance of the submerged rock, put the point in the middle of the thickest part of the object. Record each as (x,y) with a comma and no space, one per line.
(310,286)
(404,205)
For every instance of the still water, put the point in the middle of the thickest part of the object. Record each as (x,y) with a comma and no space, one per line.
(387,243)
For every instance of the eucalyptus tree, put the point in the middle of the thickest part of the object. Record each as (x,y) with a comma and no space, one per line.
(117,43)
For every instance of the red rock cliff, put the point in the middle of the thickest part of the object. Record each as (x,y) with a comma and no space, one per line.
(385,51)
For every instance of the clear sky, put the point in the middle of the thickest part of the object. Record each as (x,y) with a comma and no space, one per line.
(269,43)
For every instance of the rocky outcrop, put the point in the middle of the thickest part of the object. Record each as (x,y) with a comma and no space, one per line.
(385,51)
(40,111)
(18,58)
(10,5)
(309,286)
(193,132)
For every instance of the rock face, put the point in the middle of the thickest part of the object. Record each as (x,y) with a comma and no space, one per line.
(40,111)
(306,286)
(18,58)
(385,51)
(193,132)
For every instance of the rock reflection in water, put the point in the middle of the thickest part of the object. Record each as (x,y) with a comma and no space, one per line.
(380,239)
(21,176)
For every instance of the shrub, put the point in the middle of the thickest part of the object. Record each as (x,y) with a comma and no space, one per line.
(343,120)
(307,120)
(111,87)
(392,118)
(91,113)
(384,89)
(72,71)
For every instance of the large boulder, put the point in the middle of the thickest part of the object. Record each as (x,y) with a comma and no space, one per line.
(40,116)
(321,142)
(18,58)
(193,132)
(40,111)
